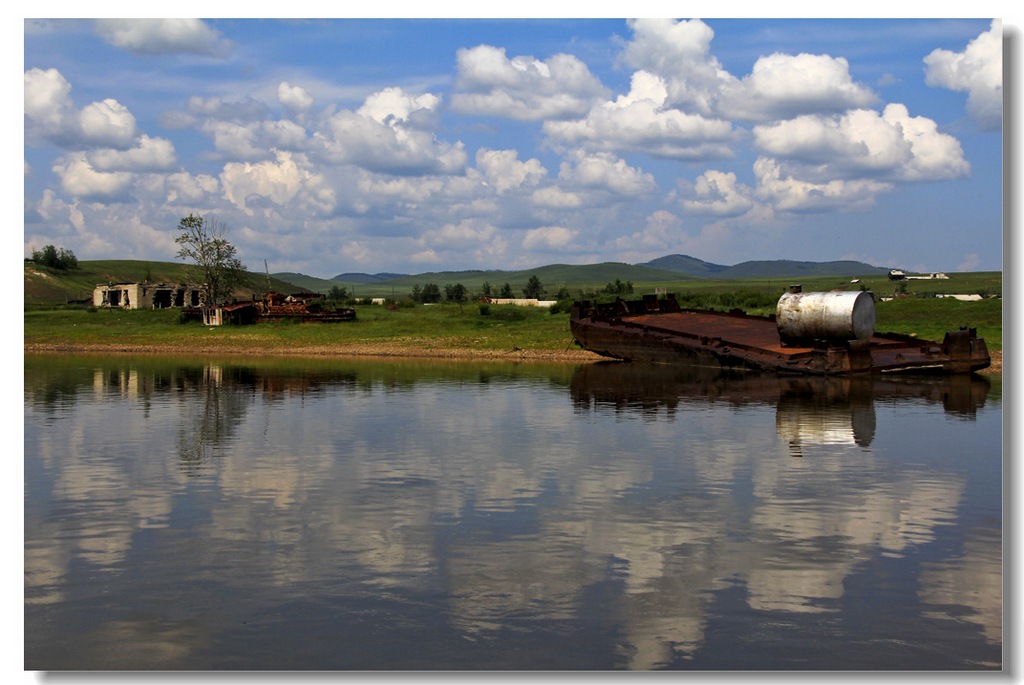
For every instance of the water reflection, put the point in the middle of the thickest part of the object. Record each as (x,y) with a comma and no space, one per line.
(228,514)
(648,388)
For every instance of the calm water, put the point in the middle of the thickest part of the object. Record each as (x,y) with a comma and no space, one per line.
(219,514)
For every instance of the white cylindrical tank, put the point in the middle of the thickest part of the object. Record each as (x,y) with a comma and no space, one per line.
(834,316)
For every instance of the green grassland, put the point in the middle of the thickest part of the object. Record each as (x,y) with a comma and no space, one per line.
(50,321)
(421,328)
(426,327)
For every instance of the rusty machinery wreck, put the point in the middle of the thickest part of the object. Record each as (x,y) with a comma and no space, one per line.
(274,306)
(815,333)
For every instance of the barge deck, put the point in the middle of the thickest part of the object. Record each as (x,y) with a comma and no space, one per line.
(659,330)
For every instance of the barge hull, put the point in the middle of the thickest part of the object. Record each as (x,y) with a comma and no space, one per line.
(660,331)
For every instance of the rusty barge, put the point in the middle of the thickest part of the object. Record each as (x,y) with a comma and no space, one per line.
(811,333)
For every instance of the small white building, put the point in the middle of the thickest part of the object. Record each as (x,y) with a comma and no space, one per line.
(928,277)
(522,301)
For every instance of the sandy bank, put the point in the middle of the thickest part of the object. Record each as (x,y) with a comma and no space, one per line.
(571,355)
(355,350)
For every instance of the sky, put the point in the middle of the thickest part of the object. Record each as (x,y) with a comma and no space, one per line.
(423,145)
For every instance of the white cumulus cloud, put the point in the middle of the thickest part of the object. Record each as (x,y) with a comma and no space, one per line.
(162,36)
(410,190)
(978,71)
(662,232)
(50,114)
(393,105)
(718,193)
(547,238)
(504,171)
(786,193)
(107,123)
(680,53)
(782,86)
(640,122)
(465,234)
(892,145)
(79,179)
(184,189)
(281,181)
(604,171)
(552,197)
(234,140)
(148,154)
(294,97)
(382,137)
(523,88)
(48,103)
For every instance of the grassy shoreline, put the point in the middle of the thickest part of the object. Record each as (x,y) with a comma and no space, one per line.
(466,332)
(511,333)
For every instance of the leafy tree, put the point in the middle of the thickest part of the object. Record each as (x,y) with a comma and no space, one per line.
(337,293)
(57,258)
(533,288)
(455,293)
(485,289)
(417,293)
(619,288)
(431,293)
(506,292)
(215,264)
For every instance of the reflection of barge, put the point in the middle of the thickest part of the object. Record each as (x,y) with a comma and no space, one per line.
(828,406)
(811,333)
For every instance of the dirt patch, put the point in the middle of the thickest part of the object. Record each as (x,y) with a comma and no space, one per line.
(353,350)
(997,363)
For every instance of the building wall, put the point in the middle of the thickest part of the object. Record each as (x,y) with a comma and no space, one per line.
(146,295)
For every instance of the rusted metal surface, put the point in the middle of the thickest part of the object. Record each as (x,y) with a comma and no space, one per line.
(274,306)
(658,330)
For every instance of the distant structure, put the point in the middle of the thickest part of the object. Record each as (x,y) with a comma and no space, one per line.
(147,295)
(973,297)
(900,275)
(522,301)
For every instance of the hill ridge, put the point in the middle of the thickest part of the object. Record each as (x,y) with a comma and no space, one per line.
(77,284)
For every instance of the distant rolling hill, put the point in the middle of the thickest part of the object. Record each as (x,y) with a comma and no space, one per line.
(50,286)
(552,276)
(366,278)
(317,284)
(304,282)
(684,264)
(780,268)
(664,269)
(790,269)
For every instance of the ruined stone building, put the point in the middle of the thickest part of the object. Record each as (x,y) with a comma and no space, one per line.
(147,295)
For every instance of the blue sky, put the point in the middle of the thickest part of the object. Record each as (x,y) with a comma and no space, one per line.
(427,145)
